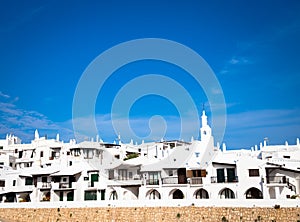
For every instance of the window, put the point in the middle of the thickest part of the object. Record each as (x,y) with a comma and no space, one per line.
(14,182)
(28,181)
(287,157)
(42,154)
(122,174)
(130,175)
(253,172)
(44,179)
(1,147)
(2,183)
(1,163)
(153,178)
(111,174)
(171,173)
(90,195)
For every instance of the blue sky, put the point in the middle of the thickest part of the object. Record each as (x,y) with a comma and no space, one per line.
(252,47)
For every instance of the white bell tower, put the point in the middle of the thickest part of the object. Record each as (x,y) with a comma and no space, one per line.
(205,130)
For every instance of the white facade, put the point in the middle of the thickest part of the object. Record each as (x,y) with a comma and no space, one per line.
(49,170)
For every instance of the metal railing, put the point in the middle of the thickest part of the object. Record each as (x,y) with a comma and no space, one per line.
(65,185)
(152,182)
(46,184)
(170,180)
(277,179)
(196,180)
(224,179)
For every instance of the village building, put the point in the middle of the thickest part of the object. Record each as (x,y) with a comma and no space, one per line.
(49,170)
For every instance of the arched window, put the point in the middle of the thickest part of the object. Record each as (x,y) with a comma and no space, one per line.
(201,194)
(113,195)
(227,194)
(254,193)
(177,194)
(154,194)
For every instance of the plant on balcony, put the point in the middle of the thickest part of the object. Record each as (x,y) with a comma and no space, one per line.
(131,156)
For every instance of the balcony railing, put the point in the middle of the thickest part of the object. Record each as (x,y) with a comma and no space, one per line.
(65,185)
(170,180)
(46,184)
(196,180)
(152,182)
(224,179)
(277,179)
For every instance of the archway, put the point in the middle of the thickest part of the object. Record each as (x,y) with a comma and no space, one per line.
(227,194)
(154,194)
(177,194)
(201,194)
(254,193)
(113,195)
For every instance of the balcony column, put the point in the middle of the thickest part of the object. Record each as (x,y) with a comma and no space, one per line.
(277,193)
(297,185)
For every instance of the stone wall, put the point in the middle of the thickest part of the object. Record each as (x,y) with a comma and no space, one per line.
(142,214)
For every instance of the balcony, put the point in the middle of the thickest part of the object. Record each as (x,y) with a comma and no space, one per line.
(152,182)
(195,180)
(233,179)
(46,185)
(65,185)
(170,180)
(277,179)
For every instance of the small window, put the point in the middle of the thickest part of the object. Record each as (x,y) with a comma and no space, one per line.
(130,175)
(171,173)
(44,179)
(1,147)
(1,163)
(14,182)
(2,183)
(253,172)
(64,179)
(42,154)
(287,157)
(28,181)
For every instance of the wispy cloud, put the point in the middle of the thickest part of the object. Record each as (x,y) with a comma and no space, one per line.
(239,61)
(23,122)
(234,63)
(4,95)
(251,127)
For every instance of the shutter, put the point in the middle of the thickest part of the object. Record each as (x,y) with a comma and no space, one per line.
(189,173)
(203,173)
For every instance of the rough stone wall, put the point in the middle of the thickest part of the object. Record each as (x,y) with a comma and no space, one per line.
(142,214)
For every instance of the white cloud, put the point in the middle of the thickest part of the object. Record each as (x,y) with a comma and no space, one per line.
(4,95)
(22,122)
(246,129)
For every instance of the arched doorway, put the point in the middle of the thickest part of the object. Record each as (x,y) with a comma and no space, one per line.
(254,193)
(227,194)
(177,194)
(201,194)
(154,194)
(113,195)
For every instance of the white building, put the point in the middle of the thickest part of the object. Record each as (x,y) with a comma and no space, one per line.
(51,170)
